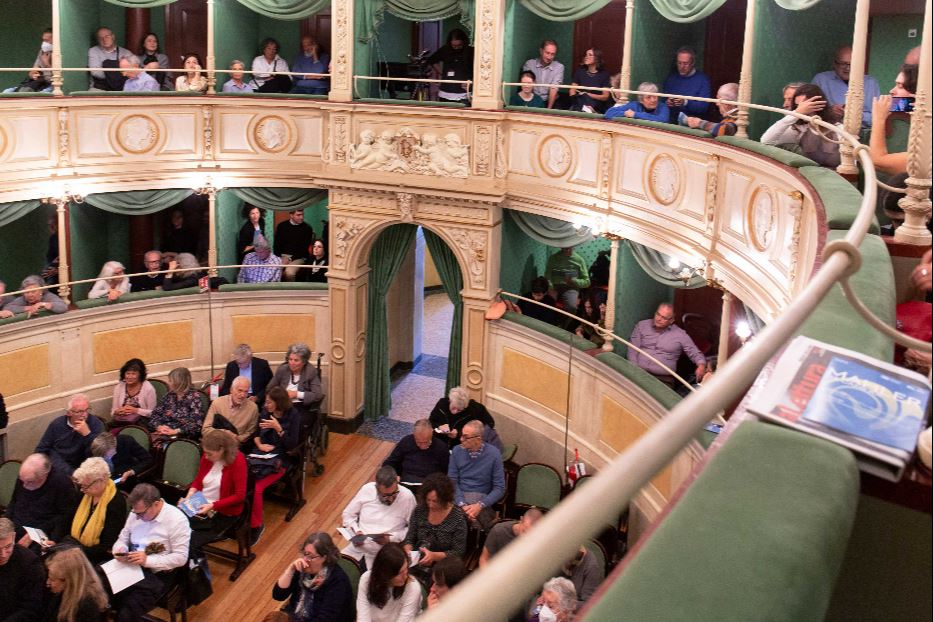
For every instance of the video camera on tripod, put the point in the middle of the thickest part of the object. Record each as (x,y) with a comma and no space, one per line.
(421,69)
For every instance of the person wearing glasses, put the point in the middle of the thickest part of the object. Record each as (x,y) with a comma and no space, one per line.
(67,440)
(835,84)
(152,280)
(22,577)
(155,537)
(378,514)
(44,498)
(317,588)
(478,476)
(664,341)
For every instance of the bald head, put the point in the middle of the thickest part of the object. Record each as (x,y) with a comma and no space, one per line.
(35,471)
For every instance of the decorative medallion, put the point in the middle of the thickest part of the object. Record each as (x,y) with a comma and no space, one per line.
(271,133)
(761,218)
(403,151)
(137,134)
(664,179)
(555,156)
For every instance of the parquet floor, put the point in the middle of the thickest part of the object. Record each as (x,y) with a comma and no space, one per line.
(350,462)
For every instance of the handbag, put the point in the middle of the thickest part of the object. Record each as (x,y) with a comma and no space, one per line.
(222,423)
(263,467)
(276,84)
(199,582)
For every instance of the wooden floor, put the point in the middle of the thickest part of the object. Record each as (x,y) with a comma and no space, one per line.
(350,462)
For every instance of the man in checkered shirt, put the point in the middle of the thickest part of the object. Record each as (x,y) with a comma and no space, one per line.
(257,272)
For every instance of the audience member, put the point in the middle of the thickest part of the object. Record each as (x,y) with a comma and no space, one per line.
(293,239)
(835,85)
(43,497)
(77,594)
(300,380)
(236,84)
(590,73)
(378,514)
(67,440)
(251,231)
(317,588)
(386,593)
(445,576)
(255,369)
(645,107)
(566,272)
(546,70)
(258,265)
(188,275)
(913,56)
(137,80)
(179,238)
(155,62)
(557,602)
(538,293)
(124,456)
(39,78)
(312,63)
(889,201)
(106,55)
(585,574)
(21,578)
(133,395)
(33,300)
(179,413)
(437,528)
(267,62)
(477,474)
(112,282)
(456,60)
(156,538)
(905,85)
(451,413)
(314,274)
(796,134)
(236,408)
(50,271)
(729,113)
(662,339)
(788,94)
(4,300)
(192,79)
(525,95)
(505,532)
(152,280)
(687,81)
(419,454)
(592,310)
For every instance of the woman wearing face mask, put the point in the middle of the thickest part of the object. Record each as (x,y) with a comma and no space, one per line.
(557,602)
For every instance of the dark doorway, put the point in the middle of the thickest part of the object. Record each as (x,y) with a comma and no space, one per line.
(725,31)
(185,30)
(604,29)
(318,26)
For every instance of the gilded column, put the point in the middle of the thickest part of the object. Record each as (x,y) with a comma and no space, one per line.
(489,43)
(56,48)
(855,96)
(725,325)
(211,60)
(341,78)
(611,295)
(625,78)
(745,74)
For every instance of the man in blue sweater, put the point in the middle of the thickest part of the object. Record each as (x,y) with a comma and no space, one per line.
(687,81)
(67,440)
(477,473)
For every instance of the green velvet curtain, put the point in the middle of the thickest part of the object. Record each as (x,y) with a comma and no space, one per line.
(138,202)
(370,13)
(452,280)
(550,231)
(286,9)
(563,10)
(139,4)
(384,261)
(686,11)
(279,199)
(796,5)
(15,210)
(655,265)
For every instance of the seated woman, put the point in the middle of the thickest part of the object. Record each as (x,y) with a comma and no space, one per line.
(124,456)
(251,230)
(317,588)
(100,514)
(266,63)
(179,413)
(278,434)
(33,300)
(557,602)
(590,73)
(437,528)
(646,107)
(300,380)
(193,79)
(525,95)
(386,593)
(133,396)
(189,275)
(154,61)
(905,87)
(77,594)
(312,63)
(222,479)
(236,84)
(445,576)
(111,282)
(593,310)
(795,134)
(452,412)
(318,258)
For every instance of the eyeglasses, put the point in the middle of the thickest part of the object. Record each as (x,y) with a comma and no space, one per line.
(389,495)
(89,484)
(839,63)
(143,512)
(79,411)
(311,556)
(666,318)
(467,438)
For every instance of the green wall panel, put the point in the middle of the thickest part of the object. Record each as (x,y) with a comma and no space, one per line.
(97,236)
(654,41)
(20,35)
(229,222)
(637,295)
(889,45)
(524,32)
(83,19)
(24,242)
(114,17)
(286,32)
(236,35)
(521,258)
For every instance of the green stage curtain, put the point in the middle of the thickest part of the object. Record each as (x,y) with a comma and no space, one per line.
(384,261)
(286,9)
(563,10)
(370,13)
(655,265)
(138,202)
(16,210)
(796,5)
(139,4)
(452,280)
(686,11)
(279,199)
(550,231)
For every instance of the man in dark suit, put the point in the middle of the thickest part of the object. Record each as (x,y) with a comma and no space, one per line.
(254,368)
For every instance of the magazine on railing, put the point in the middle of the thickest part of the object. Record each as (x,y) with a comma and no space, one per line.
(872,408)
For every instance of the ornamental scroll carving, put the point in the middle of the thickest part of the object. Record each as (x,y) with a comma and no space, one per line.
(404,152)
(63,138)
(345,231)
(500,154)
(340,139)
(712,190)
(406,206)
(207,113)
(487,36)
(605,162)
(473,245)
(339,66)
(482,148)
(796,210)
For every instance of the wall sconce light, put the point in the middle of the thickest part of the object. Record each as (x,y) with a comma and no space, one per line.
(743,331)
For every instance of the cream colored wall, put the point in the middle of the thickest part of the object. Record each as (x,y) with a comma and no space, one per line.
(431,277)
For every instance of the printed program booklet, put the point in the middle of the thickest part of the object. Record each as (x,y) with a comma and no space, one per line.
(873,408)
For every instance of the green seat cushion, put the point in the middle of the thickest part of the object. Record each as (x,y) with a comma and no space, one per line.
(841,200)
(246,287)
(274,95)
(560,113)
(134,296)
(137,93)
(669,127)
(837,322)
(760,535)
(550,330)
(26,94)
(407,102)
(662,393)
(775,153)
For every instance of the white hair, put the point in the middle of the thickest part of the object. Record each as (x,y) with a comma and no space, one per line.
(459,398)
(92,469)
(566,593)
(110,269)
(729,90)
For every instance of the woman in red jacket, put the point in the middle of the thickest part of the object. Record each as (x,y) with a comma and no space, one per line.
(222,479)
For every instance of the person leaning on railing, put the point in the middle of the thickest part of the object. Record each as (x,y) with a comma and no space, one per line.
(236,84)
(111,282)
(525,95)
(646,107)
(795,134)
(33,299)
(727,125)
(192,79)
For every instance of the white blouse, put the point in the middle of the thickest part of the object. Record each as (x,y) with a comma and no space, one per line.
(211,484)
(403,609)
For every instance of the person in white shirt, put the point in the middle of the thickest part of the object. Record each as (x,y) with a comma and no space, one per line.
(156,538)
(386,593)
(111,282)
(380,508)
(267,62)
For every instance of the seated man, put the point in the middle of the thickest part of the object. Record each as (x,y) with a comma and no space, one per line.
(256,271)
(687,81)
(725,127)
(665,341)
(451,413)
(547,71)
(152,280)
(67,440)
(477,473)
(136,79)
(106,55)
(255,369)
(236,408)
(539,293)
(835,85)
(44,498)
(503,533)
(155,537)
(419,454)
(381,509)
(567,273)
(585,574)
(22,578)
(293,238)
(645,107)
(33,300)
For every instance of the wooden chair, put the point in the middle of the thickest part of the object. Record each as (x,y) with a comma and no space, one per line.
(9,473)
(139,434)
(353,570)
(594,548)
(240,533)
(182,458)
(536,485)
(161,388)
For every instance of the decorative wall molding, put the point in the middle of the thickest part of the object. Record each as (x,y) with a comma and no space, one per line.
(406,206)
(403,151)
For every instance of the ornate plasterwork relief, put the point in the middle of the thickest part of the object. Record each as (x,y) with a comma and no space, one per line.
(555,156)
(501,162)
(486,20)
(664,179)
(345,231)
(761,218)
(64,139)
(482,150)
(340,139)
(403,151)
(272,134)
(341,37)
(605,163)
(712,190)
(796,210)
(472,243)
(207,113)
(137,134)
(406,206)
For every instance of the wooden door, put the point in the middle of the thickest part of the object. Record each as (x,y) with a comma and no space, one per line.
(604,29)
(722,52)
(318,26)
(185,30)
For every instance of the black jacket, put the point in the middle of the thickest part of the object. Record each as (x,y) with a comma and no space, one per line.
(261,376)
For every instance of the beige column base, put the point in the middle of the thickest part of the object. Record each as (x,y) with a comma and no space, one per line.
(347,345)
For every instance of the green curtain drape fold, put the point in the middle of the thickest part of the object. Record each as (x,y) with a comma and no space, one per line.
(386,257)
(655,265)
(285,9)
(16,210)
(139,4)
(550,231)
(138,202)
(371,13)
(452,280)
(279,199)
(563,10)
(796,5)
(686,11)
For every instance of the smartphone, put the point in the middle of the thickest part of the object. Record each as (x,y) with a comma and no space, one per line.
(902,104)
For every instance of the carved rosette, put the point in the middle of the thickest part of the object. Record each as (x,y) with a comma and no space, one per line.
(137,134)
(484,86)
(712,190)
(555,155)
(207,114)
(406,206)
(482,149)
(761,218)
(64,139)
(472,243)
(501,162)
(664,179)
(474,376)
(345,230)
